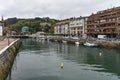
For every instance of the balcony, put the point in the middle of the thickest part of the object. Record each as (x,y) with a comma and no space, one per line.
(90,24)
(110,27)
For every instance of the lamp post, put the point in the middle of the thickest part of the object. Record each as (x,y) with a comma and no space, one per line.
(8,35)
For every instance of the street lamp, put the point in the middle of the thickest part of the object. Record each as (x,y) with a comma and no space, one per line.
(8,35)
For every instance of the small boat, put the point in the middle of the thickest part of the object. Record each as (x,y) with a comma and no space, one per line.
(55,40)
(77,43)
(64,41)
(90,44)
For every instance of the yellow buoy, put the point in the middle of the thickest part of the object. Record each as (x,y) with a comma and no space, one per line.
(62,65)
(100,54)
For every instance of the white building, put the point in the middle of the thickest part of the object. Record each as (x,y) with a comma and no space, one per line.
(1,26)
(1,29)
(62,27)
(78,27)
(72,27)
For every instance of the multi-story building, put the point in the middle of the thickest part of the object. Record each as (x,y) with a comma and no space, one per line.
(1,30)
(71,27)
(106,22)
(45,25)
(62,27)
(78,26)
(1,26)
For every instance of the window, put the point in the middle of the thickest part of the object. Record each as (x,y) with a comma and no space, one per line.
(102,20)
(118,24)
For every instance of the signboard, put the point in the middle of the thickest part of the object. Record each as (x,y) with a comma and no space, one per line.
(25,29)
(1,31)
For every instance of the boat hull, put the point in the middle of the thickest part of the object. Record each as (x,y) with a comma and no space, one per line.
(77,43)
(90,44)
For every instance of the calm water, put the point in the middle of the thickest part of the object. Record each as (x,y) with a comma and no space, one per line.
(41,61)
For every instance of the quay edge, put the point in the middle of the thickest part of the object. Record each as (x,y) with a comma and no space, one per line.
(104,44)
(7,56)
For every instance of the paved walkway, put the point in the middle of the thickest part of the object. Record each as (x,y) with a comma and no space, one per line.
(4,43)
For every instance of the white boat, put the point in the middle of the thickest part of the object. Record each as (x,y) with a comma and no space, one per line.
(77,43)
(90,44)
(64,41)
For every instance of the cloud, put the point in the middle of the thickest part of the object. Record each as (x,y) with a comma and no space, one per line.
(58,9)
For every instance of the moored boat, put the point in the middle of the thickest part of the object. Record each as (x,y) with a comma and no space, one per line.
(77,43)
(64,41)
(90,44)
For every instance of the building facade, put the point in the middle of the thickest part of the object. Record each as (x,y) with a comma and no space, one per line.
(77,26)
(62,27)
(1,26)
(1,30)
(72,27)
(106,22)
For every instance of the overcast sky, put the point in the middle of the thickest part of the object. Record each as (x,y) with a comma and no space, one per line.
(58,9)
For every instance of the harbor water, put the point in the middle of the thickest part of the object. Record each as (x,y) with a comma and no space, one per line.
(40,60)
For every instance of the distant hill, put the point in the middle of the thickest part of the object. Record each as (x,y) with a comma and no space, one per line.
(33,24)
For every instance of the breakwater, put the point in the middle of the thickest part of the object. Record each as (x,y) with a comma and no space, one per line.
(7,56)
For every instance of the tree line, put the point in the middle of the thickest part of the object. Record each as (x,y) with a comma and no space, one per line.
(16,24)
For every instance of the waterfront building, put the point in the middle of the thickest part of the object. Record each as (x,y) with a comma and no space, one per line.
(78,27)
(75,27)
(62,27)
(1,30)
(45,25)
(1,26)
(105,22)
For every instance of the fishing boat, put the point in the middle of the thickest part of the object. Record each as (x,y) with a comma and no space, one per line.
(90,44)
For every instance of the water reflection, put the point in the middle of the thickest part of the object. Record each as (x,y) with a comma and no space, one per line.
(106,59)
(40,61)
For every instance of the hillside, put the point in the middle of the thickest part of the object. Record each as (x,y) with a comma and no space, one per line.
(36,24)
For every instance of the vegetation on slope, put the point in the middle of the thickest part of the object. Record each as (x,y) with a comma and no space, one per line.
(33,24)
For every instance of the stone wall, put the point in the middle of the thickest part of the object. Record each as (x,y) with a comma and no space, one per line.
(7,57)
